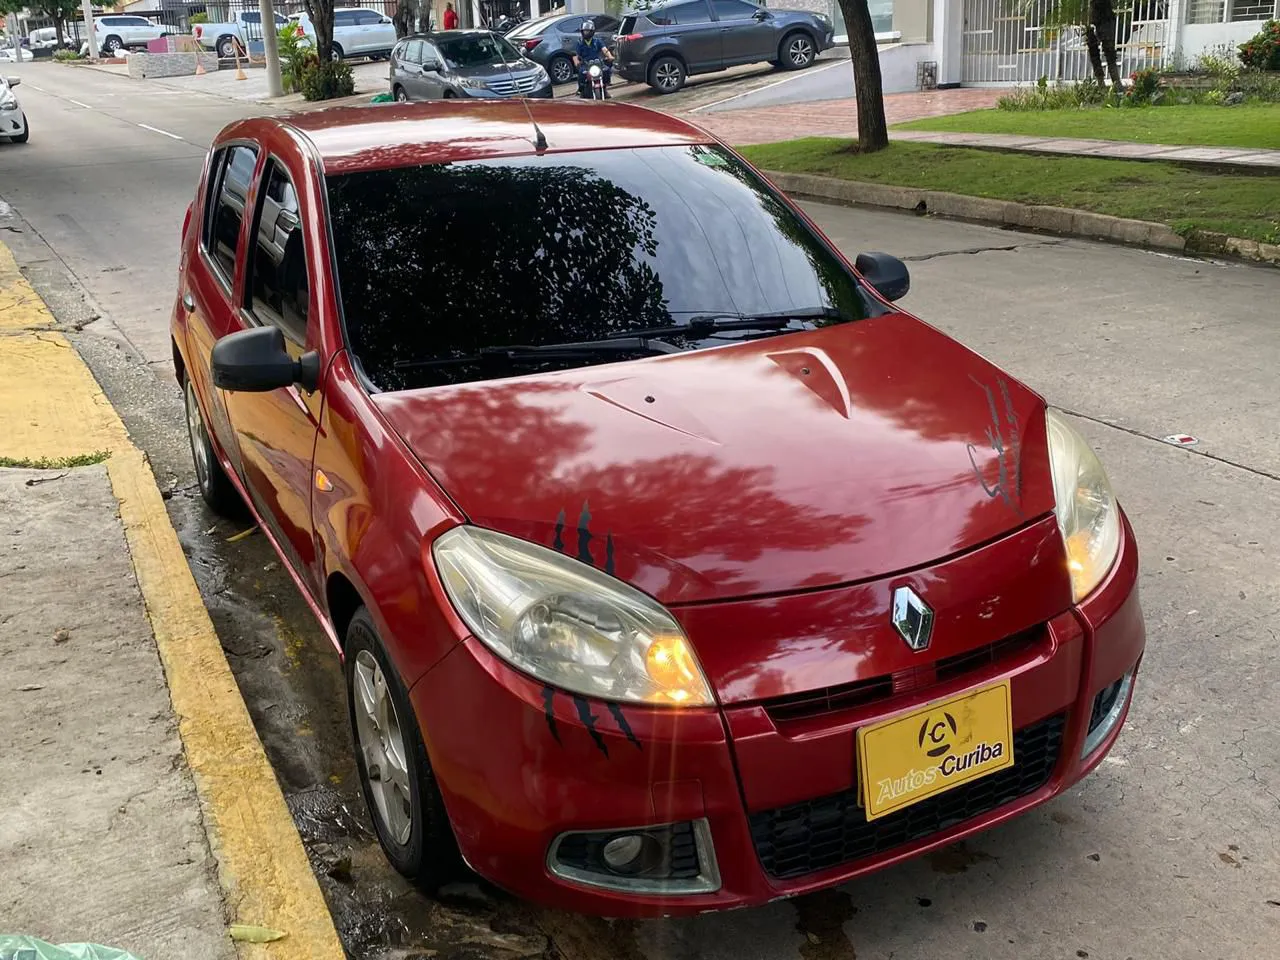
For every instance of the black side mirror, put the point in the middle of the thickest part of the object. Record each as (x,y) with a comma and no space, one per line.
(760,15)
(431,66)
(255,361)
(886,273)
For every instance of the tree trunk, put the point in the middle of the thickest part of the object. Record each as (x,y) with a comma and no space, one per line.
(873,131)
(58,31)
(321,14)
(1102,20)
(404,19)
(1095,54)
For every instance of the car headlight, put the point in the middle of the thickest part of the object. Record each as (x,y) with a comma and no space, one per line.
(1087,512)
(567,623)
(8,101)
(470,83)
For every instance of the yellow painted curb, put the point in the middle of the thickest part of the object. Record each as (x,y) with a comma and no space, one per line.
(51,406)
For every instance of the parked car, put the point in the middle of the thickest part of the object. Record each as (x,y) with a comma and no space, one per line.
(357,32)
(116,32)
(551,41)
(463,63)
(15,54)
(674,567)
(222,37)
(13,122)
(672,40)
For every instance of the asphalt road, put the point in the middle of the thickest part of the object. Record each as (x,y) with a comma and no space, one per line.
(1169,850)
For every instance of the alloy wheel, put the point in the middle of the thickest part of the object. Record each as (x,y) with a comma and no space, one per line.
(561,70)
(200,447)
(667,76)
(801,51)
(401,95)
(382,745)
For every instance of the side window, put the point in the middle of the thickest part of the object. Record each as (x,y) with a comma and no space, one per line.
(250,17)
(606,25)
(572,25)
(139,22)
(368,18)
(223,239)
(413,51)
(344,18)
(694,12)
(278,288)
(733,9)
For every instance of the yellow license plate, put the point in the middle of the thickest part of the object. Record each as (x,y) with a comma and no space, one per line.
(917,755)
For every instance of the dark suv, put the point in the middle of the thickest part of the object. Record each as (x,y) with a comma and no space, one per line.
(664,44)
(552,40)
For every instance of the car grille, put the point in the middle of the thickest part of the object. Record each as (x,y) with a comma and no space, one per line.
(830,831)
(505,87)
(813,703)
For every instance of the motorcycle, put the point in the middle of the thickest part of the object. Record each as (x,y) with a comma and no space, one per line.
(593,86)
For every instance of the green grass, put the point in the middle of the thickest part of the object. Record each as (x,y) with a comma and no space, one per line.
(1235,204)
(56,463)
(1246,125)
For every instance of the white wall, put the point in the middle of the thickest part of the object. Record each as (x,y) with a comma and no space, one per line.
(898,64)
(1198,38)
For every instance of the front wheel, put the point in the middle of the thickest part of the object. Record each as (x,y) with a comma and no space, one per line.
(561,69)
(667,75)
(215,488)
(401,96)
(395,775)
(797,51)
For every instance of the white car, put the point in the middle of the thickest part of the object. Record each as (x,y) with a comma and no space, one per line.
(357,32)
(13,122)
(7,54)
(115,32)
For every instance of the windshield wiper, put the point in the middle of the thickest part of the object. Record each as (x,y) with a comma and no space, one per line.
(705,324)
(514,353)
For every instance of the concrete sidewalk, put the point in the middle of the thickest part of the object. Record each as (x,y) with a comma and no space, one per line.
(1250,157)
(139,809)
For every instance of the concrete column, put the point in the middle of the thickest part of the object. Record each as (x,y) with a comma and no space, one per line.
(948,27)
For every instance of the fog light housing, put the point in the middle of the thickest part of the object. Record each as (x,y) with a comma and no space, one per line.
(1108,707)
(675,859)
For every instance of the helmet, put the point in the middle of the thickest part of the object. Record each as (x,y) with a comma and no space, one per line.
(588,29)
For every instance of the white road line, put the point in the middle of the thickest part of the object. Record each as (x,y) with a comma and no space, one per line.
(163,133)
(769,86)
(79,104)
(34,87)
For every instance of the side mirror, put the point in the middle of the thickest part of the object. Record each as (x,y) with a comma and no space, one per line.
(886,273)
(13,81)
(760,16)
(255,361)
(430,66)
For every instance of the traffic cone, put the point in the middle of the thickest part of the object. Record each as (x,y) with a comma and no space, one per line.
(199,66)
(239,69)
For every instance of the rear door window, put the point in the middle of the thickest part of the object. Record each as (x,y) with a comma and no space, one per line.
(232,192)
(679,14)
(277,288)
(733,9)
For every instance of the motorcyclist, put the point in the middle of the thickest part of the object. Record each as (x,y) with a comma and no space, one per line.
(590,47)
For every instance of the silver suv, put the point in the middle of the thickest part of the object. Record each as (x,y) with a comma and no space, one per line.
(664,44)
(463,63)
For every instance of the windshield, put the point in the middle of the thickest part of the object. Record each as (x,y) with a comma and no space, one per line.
(476,50)
(530,28)
(445,260)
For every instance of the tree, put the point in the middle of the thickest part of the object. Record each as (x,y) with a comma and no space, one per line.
(59,11)
(321,14)
(873,131)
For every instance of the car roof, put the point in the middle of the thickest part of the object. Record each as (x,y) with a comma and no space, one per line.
(353,139)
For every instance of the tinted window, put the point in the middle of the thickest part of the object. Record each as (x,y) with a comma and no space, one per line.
(531,28)
(137,21)
(733,9)
(368,18)
(682,13)
(345,18)
(278,275)
(590,245)
(476,50)
(606,24)
(223,238)
(570,25)
(412,52)
(251,18)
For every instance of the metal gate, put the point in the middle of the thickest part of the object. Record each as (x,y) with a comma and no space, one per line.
(1010,41)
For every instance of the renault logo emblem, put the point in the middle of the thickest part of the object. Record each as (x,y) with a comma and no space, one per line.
(912,618)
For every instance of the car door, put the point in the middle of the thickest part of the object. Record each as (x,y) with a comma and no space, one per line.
(276,430)
(431,80)
(347,33)
(379,30)
(696,34)
(745,32)
(208,294)
(410,74)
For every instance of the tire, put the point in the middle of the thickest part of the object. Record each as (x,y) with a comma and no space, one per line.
(112,44)
(667,74)
(450,95)
(215,488)
(225,48)
(561,69)
(400,94)
(336,52)
(797,51)
(407,809)
(25,135)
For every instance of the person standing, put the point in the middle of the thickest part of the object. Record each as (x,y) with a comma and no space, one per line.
(450,17)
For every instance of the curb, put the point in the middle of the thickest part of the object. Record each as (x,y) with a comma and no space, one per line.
(51,405)
(1059,220)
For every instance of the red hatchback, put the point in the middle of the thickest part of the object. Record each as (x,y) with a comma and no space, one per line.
(673,567)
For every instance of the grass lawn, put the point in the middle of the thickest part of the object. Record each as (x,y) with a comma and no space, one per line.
(1237,204)
(1248,125)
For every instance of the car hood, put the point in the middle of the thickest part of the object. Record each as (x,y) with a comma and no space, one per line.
(491,70)
(781,464)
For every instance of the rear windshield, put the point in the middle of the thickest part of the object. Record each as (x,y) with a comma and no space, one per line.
(441,261)
(531,28)
(476,50)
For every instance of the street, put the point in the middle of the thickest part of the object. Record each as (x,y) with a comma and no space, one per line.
(1168,850)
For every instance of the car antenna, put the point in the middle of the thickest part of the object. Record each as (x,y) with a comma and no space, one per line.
(539,138)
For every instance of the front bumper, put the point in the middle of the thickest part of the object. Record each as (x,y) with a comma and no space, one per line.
(13,122)
(521,765)
(484,93)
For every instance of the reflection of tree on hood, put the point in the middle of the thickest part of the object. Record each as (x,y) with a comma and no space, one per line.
(469,256)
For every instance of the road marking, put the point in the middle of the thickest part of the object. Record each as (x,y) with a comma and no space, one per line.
(770,86)
(79,104)
(34,87)
(50,405)
(163,133)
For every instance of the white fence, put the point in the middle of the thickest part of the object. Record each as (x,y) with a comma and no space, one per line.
(1009,41)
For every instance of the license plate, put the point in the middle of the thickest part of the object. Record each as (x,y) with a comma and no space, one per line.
(928,751)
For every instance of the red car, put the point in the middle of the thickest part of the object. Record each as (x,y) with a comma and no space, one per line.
(674,568)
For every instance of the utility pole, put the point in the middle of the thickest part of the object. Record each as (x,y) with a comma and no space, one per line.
(87,7)
(270,47)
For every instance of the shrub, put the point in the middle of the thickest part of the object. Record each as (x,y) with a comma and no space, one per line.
(324,81)
(198,18)
(1086,93)
(62,56)
(1220,63)
(1143,89)
(1263,51)
(293,58)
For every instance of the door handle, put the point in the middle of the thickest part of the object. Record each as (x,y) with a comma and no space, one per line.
(188,303)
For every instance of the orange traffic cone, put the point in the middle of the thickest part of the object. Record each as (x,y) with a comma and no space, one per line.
(240,75)
(199,66)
